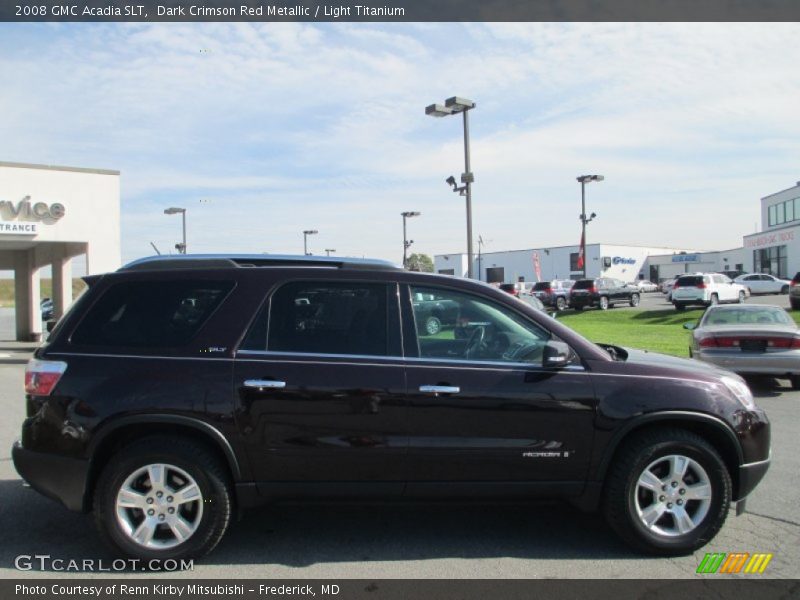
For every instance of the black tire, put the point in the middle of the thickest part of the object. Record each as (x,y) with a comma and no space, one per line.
(210,474)
(634,300)
(742,297)
(785,289)
(433,325)
(619,500)
(714,300)
(795,381)
(794,304)
(561,303)
(679,307)
(603,303)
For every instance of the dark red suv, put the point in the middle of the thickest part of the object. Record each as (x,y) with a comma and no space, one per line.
(178,389)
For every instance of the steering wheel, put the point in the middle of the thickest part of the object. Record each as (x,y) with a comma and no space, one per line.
(476,342)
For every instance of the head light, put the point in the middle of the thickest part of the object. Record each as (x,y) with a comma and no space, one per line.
(741,391)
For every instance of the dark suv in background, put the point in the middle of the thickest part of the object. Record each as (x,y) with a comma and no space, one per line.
(554,294)
(794,292)
(603,292)
(178,390)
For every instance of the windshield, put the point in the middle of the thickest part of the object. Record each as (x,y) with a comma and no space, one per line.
(541,286)
(583,284)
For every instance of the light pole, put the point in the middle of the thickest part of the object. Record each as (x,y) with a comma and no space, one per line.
(307,233)
(406,242)
(584,179)
(182,211)
(329,250)
(454,106)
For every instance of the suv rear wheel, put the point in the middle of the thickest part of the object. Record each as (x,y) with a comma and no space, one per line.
(433,325)
(561,303)
(714,300)
(668,492)
(163,498)
(603,302)
(794,304)
(634,300)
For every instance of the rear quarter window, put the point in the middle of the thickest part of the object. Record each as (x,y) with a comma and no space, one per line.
(152,314)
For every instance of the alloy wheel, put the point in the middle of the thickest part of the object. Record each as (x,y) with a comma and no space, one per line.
(159,506)
(672,495)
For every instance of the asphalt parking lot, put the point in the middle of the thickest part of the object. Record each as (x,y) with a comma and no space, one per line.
(442,541)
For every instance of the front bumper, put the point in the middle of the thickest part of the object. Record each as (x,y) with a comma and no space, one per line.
(750,474)
(57,477)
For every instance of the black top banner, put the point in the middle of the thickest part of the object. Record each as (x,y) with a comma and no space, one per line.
(399,10)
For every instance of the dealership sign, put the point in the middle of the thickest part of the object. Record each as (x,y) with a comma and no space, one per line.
(619,260)
(24,217)
(769,239)
(686,258)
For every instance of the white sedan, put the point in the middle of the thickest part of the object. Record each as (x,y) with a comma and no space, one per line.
(761,283)
(645,286)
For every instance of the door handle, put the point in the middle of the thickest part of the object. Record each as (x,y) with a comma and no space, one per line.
(264,383)
(439,389)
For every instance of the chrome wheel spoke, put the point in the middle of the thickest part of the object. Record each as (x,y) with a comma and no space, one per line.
(130,498)
(157,476)
(188,493)
(677,467)
(698,491)
(648,480)
(683,521)
(653,513)
(181,529)
(144,532)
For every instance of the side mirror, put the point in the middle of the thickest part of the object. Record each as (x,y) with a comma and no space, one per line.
(556,355)
(690,325)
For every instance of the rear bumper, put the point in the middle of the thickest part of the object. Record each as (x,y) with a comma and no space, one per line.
(756,363)
(57,477)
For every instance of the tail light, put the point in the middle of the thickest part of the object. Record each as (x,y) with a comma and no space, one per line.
(41,376)
(701,286)
(783,343)
(675,285)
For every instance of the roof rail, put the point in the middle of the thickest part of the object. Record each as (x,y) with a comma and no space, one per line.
(227,261)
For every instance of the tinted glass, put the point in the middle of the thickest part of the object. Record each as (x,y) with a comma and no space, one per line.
(747,316)
(542,286)
(329,318)
(583,284)
(690,280)
(154,314)
(462,326)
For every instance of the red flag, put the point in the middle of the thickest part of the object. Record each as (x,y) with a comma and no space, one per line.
(537,267)
(582,251)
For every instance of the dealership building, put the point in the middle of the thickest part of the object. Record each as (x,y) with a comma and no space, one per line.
(775,250)
(48,217)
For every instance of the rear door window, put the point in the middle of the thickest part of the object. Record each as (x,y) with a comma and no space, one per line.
(151,314)
(329,318)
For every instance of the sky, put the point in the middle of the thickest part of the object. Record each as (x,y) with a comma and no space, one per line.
(263,130)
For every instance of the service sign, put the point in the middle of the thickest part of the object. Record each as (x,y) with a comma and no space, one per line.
(25,216)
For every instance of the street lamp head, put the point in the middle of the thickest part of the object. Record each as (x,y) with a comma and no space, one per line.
(457,105)
(310,231)
(588,178)
(174,210)
(409,214)
(438,110)
(451,181)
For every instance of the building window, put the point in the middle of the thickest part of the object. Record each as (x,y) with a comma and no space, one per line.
(771,211)
(573,262)
(771,260)
(495,275)
(783,212)
(780,219)
(789,209)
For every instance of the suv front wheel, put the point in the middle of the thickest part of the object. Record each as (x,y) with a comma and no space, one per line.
(163,498)
(668,492)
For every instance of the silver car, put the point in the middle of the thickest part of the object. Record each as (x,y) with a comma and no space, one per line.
(748,339)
